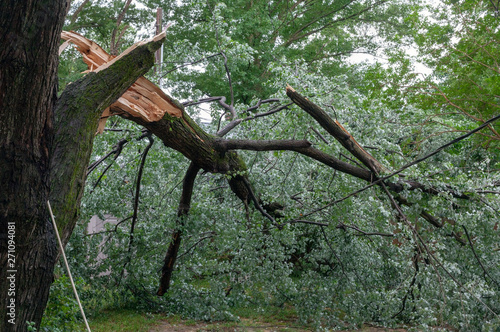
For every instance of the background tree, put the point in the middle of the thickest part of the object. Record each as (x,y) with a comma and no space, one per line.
(457,42)
(465,80)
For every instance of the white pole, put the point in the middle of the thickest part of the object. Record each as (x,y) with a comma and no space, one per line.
(67,267)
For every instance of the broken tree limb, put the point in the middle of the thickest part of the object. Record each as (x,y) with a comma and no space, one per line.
(77,112)
(335,129)
(182,212)
(143,99)
(178,131)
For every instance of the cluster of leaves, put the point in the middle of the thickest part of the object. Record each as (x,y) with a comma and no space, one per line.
(61,313)
(352,262)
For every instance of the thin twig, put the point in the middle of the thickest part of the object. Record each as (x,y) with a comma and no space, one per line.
(194,245)
(138,188)
(117,149)
(184,64)
(257,205)
(319,135)
(477,258)
(332,250)
(410,288)
(343,226)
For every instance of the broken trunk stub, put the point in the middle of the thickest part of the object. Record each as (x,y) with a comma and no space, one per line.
(143,99)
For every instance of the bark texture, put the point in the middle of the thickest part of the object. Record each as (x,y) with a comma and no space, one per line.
(336,130)
(28,87)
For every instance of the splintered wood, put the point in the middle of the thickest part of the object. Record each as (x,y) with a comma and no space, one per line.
(143,99)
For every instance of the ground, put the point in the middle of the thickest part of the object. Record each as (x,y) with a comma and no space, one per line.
(246,325)
(272,320)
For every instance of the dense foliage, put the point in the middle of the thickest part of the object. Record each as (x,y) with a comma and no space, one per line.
(339,265)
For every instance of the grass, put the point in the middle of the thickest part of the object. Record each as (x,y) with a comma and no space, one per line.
(123,320)
(279,319)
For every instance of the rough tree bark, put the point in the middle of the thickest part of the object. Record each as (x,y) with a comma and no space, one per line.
(28,87)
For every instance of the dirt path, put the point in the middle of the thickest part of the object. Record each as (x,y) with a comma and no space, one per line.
(243,326)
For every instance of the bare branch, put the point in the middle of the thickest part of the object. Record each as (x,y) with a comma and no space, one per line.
(220,99)
(138,186)
(236,122)
(229,127)
(260,102)
(224,145)
(257,204)
(319,135)
(336,130)
(272,111)
(136,202)
(117,149)
(115,42)
(344,226)
(301,221)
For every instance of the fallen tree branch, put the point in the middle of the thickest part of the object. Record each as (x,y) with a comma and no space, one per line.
(223,145)
(335,129)
(182,212)
(429,252)
(413,163)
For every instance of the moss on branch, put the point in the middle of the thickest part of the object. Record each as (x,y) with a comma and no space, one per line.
(77,113)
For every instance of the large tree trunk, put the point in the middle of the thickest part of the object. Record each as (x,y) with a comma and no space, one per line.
(28,87)
(45,146)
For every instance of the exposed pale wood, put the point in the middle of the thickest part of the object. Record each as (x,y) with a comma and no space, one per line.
(93,55)
(143,99)
(102,122)
(63,46)
(128,50)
